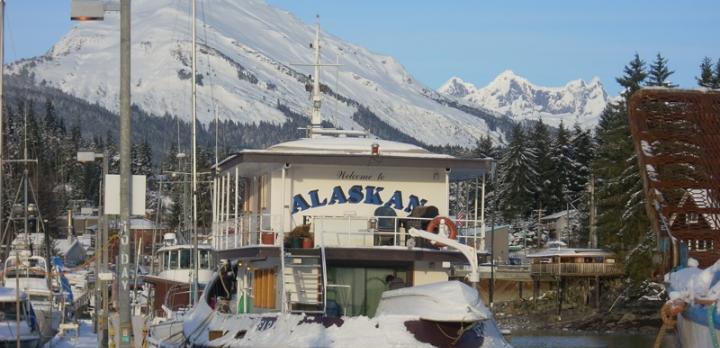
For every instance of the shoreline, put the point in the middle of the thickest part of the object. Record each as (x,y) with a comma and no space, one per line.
(524,318)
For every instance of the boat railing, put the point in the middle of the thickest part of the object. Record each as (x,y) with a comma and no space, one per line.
(383,231)
(251,230)
(577,269)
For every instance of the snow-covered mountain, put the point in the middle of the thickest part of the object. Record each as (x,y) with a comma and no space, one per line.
(514,96)
(246,59)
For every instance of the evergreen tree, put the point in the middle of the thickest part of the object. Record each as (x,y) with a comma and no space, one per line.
(634,76)
(563,171)
(484,148)
(540,142)
(659,73)
(518,173)
(622,224)
(706,78)
(583,148)
(716,78)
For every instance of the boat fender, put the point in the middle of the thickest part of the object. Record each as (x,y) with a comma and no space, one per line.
(436,224)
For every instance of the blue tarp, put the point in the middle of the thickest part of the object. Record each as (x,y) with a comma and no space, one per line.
(64,283)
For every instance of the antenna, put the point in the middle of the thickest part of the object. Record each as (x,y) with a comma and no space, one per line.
(315,129)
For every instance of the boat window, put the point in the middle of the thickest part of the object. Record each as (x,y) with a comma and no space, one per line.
(38,298)
(357,290)
(205,259)
(185,256)
(8,309)
(173,257)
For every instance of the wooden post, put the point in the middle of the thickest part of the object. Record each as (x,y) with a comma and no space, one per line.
(560,296)
(536,290)
(597,293)
(520,286)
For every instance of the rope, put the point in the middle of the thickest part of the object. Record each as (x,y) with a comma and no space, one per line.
(461,331)
(669,320)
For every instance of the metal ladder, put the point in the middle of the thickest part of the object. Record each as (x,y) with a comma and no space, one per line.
(304,280)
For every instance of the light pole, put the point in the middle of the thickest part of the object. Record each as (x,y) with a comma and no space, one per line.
(95,10)
(101,238)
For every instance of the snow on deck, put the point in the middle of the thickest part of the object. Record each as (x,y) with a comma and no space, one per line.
(86,338)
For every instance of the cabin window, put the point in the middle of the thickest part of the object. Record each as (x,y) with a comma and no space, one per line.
(703,245)
(173,259)
(205,259)
(692,218)
(8,309)
(264,288)
(357,290)
(609,260)
(185,258)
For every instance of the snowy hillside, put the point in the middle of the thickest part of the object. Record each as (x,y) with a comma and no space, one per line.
(245,58)
(514,96)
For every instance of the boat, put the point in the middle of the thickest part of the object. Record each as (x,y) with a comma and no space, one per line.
(339,239)
(169,292)
(31,275)
(675,135)
(29,332)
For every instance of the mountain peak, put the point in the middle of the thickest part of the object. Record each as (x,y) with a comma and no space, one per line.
(456,87)
(514,96)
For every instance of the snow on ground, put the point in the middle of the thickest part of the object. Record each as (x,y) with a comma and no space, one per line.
(86,338)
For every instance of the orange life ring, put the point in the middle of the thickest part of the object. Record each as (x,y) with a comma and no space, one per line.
(434,225)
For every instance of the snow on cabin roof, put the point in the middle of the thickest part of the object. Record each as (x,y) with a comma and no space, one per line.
(702,199)
(352,151)
(348,145)
(8,294)
(559,214)
(570,252)
(35,238)
(64,245)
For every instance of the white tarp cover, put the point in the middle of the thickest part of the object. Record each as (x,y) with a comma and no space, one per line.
(442,301)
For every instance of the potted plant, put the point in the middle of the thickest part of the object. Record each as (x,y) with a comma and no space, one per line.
(298,236)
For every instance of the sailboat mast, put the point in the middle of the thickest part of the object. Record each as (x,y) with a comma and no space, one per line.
(194,159)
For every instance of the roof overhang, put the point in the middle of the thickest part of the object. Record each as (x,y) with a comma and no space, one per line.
(252,162)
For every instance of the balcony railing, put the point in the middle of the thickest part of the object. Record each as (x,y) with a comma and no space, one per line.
(337,231)
(577,269)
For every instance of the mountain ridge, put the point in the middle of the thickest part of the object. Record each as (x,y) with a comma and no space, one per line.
(516,97)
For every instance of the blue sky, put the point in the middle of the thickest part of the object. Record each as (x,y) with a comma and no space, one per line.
(549,42)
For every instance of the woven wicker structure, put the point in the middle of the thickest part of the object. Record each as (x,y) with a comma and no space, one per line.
(677,139)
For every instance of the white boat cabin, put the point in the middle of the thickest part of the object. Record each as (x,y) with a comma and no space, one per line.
(352,192)
(340,208)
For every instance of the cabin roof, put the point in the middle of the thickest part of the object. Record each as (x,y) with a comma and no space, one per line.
(7,294)
(65,245)
(352,151)
(570,252)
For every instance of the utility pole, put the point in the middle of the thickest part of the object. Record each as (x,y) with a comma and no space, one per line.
(194,162)
(103,330)
(2,115)
(125,324)
(593,231)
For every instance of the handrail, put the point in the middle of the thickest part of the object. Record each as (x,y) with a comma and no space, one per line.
(250,230)
(577,268)
(324,270)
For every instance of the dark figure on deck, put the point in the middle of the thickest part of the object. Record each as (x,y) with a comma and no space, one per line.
(392,282)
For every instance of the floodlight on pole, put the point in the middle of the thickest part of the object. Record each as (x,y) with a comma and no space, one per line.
(87,10)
